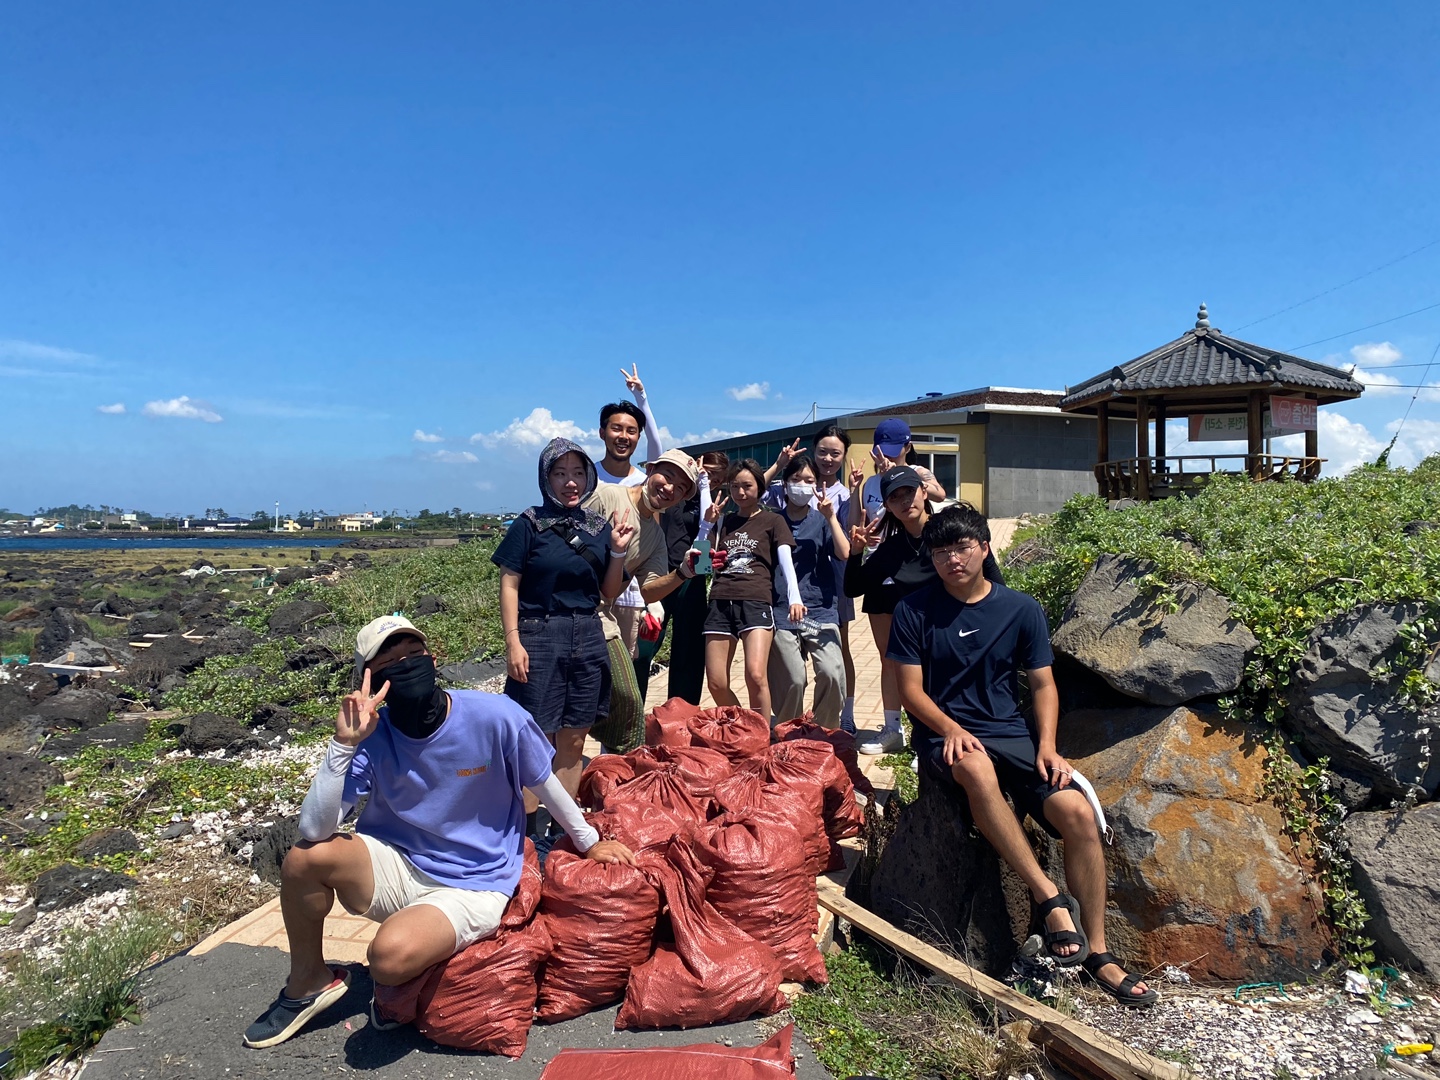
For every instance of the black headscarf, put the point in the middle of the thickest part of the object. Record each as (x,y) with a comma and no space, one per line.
(550,513)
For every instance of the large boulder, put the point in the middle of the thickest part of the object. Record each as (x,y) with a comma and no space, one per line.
(23,780)
(68,884)
(61,627)
(77,707)
(114,735)
(297,618)
(1201,870)
(1115,628)
(87,652)
(1345,701)
(207,732)
(1394,859)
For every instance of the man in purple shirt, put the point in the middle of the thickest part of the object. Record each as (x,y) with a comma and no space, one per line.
(437,851)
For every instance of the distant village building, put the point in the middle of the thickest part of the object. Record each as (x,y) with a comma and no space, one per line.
(1008,451)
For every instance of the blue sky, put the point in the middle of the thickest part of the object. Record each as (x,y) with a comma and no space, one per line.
(289,239)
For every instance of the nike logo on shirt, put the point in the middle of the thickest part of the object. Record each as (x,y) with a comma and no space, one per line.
(966,633)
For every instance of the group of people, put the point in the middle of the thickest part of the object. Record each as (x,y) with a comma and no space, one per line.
(720,555)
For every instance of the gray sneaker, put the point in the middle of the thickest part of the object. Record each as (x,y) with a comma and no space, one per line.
(889,741)
(288,1015)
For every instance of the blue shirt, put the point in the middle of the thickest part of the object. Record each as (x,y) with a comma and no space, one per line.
(970,655)
(554,577)
(814,571)
(453,803)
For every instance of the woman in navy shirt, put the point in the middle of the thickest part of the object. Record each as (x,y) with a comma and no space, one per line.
(556,562)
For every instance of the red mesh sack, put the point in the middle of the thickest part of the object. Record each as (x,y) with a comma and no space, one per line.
(669,724)
(641,827)
(804,727)
(763,885)
(788,762)
(526,899)
(704,1061)
(702,768)
(667,787)
(714,972)
(735,732)
(482,998)
(799,806)
(601,776)
(601,921)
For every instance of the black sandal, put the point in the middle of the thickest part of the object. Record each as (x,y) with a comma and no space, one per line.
(1054,938)
(1121,993)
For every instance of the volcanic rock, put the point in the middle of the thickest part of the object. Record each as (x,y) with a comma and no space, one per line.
(107,842)
(24,779)
(77,707)
(1393,855)
(207,732)
(1116,629)
(296,618)
(69,884)
(61,627)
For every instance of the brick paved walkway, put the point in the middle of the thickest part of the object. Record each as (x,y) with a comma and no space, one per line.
(347,936)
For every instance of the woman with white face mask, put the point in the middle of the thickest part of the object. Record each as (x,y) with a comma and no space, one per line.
(819,540)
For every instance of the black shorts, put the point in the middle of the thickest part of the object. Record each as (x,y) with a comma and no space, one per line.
(569,683)
(731,618)
(1014,760)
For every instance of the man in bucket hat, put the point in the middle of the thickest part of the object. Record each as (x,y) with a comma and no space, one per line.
(437,851)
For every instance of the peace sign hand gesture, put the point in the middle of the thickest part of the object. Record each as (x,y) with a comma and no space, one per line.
(825,505)
(622,531)
(857,474)
(632,379)
(787,452)
(717,508)
(359,713)
(882,463)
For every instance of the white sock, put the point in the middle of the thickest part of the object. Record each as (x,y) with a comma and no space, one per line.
(848,709)
(892,719)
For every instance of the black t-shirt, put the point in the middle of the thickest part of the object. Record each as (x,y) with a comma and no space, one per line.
(896,568)
(554,578)
(971,655)
(681,524)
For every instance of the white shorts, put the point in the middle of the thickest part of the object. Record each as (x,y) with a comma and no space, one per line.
(398,885)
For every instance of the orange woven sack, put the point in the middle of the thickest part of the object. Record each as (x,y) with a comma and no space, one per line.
(771,1060)
(713,973)
(791,761)
(799,805)
(601,776)
(669,724)
(665,786)
(701,768)
(804,727)
(763,885)
(735,732)
(601,921)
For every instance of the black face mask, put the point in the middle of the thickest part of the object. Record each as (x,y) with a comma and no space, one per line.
(417,706)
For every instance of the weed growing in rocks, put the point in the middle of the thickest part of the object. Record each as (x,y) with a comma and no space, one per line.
(232,686)
(59,1008)
(1288,557)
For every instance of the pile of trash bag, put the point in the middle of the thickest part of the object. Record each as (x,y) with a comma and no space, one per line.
(729,830)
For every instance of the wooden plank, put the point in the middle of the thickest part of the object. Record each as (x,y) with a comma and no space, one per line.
(77,669)
(1077,1047)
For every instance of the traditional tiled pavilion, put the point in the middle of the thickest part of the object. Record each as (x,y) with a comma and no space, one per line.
(1205,373)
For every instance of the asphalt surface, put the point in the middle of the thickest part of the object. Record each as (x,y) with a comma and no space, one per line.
(196,1008)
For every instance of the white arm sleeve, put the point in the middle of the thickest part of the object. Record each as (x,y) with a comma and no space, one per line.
(787,567)
(705,501)
(557,800)
(324,807)
(654,446)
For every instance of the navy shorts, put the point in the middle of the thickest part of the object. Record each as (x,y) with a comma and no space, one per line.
(569,683)
(731,618)
(1014,760)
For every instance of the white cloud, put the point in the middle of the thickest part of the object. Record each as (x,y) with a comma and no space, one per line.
(118,409)
(1376,382)
(1376,354)
(421,436)
(1344,443)
(668,438)
(755,391)
(11,349)
(535,431)
(453,457)
(183,408)
(1421,438)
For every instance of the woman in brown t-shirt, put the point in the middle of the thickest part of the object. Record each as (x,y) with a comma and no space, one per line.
(749,544)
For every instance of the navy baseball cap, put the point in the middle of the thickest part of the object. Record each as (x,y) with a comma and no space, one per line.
(891,436)
(901,476)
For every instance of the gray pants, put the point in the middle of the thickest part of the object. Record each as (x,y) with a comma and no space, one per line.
(788,654)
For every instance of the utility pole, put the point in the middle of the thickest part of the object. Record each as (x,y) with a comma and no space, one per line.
(277,515)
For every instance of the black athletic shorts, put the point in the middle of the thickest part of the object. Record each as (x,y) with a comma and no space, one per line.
(1014,759)
(731,618)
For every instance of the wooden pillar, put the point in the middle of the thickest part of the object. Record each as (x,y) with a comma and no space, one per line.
(1312,437)
(1102,450)
(1142,448)
(1160,436)
(1254,433)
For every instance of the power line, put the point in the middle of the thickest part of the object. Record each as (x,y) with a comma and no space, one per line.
(1371,326)
(1415,395)
(1343,284)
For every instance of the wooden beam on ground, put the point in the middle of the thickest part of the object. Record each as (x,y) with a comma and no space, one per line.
(77,669)
(1076,1047)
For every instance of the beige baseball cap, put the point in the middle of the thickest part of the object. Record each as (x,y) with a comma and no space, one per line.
(682,461)
(373,635)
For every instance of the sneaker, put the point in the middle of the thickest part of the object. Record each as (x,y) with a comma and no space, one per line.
(376,1022)
(288,1015)
(847,724)
(889,741)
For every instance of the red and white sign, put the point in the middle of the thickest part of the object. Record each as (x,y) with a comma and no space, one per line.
(1293,413)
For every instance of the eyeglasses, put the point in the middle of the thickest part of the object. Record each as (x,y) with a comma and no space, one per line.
(954,553)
